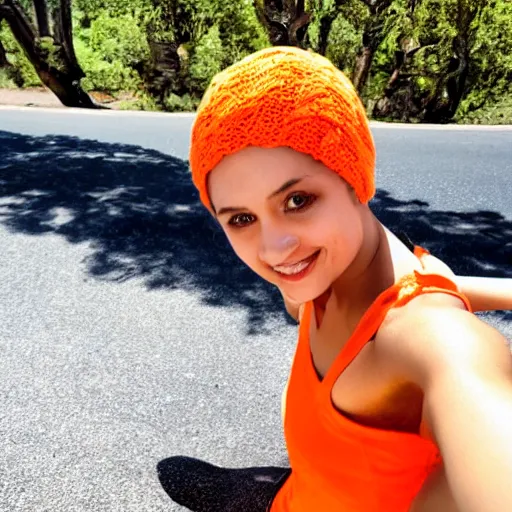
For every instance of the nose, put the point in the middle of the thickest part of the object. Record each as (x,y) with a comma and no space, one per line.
(276,245)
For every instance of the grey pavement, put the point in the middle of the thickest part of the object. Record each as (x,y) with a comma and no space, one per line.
(129,332)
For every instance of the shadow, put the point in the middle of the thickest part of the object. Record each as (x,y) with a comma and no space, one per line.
(139,211)
(477,243)
(141,214)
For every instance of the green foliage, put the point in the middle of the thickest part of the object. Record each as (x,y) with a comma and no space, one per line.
(91,9)
(119,39)
(185,103)
(142,101)
(399,33)
(109,50)
(239,29)
(6,79)
(102,75)
(49,52)
(343,43)
(491,70)
(497,111)
(23,73)
(112,42)
(207,60)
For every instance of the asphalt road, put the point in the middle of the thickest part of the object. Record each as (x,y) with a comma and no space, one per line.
(128,330)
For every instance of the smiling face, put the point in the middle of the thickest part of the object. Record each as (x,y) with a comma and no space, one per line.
(289,218)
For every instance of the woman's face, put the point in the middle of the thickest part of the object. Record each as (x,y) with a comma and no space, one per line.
(289,218)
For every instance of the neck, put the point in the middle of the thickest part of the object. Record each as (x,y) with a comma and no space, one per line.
(370,273)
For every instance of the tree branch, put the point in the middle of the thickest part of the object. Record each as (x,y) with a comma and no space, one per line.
(63,36)
(299,23)
(3,55)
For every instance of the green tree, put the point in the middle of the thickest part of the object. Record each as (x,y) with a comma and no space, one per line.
(181,33)
(48,44)
(443,56)
(489,81)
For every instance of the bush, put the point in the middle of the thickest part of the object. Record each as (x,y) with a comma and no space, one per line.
(343,44)
(207,60)
(23,73)
(240,31)
(498,111)
(142,102)
(102,75)
(119,39)
(185,103)
(109,51)
(6,80)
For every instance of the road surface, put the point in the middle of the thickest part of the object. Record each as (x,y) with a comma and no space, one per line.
(128,330)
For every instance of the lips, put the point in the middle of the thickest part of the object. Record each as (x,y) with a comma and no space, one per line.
(296,270)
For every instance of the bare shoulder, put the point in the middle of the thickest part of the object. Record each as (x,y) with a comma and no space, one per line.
(433,333)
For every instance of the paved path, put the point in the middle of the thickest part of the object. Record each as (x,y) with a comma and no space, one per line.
(128,331)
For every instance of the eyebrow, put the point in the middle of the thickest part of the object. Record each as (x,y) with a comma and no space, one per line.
(285,186)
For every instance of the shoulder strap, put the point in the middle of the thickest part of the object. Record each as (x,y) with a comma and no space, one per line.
(398,295)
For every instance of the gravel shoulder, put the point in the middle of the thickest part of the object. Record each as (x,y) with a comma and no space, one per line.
(42,97)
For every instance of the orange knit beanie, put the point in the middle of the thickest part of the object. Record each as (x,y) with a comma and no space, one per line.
(284,96)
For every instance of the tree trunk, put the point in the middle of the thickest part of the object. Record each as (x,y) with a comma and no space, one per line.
(41,10)
(454,82)
(362,68)
(455,86)
(298,29)
(326,22)
(372,37)
(163,76)
(4,63)
(286,22)
(64,25)
(65,85)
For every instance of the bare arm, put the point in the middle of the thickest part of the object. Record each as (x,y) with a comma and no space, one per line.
(484,293)
(465,369)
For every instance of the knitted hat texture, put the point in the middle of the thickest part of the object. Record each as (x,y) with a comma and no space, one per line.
(284,96)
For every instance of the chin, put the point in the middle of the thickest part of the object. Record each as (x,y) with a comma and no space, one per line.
(304,294)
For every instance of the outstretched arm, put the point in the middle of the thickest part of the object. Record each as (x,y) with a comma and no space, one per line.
(484,293)
(464,367)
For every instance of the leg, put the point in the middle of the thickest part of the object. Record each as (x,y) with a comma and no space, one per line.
(203,487)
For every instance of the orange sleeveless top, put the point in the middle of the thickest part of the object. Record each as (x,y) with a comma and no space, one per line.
(338,465)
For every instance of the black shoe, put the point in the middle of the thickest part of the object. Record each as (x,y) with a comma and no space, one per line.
(203,487)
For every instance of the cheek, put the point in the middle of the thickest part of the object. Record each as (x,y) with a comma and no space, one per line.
(246,249)
(344,241)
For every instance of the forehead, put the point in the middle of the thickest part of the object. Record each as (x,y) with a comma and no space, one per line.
(253,172)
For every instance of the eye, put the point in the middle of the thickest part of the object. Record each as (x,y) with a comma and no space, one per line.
(299,201)
(241,220)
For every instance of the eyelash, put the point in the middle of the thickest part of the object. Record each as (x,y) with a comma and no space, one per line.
(310,199)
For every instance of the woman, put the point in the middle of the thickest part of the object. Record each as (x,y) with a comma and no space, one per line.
(399,397)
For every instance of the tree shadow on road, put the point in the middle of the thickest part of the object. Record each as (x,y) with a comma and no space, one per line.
(140,212)
(477,243)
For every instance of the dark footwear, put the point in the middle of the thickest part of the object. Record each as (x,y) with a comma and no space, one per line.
(203,487)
